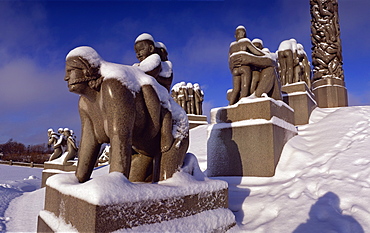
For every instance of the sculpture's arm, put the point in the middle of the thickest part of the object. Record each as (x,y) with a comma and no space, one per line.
(119,110)
(250,60)
(254,50)
(89,147)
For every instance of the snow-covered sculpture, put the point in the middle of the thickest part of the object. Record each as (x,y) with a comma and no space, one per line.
(244,59)
(123,106)
(327,49)
(153,59)
(198,97)
(53,141)
(72,148)
(302,70)
(165,77)
(190,103)
(189,96)
(293,63)
(286,56)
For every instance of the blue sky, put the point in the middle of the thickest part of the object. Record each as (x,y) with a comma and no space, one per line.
(36,36)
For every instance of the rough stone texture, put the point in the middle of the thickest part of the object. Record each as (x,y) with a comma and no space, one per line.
(330,93)
(244,148)
(299,97)
(127,215)
(197,120)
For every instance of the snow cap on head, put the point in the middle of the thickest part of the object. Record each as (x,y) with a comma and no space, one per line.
(257,40)
(189,85)
(160,45)
(87,53)
(66,129)
(144,36)
(50,130)
(240,27)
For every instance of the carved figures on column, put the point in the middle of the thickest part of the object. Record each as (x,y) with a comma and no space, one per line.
(325,38)
(190,97)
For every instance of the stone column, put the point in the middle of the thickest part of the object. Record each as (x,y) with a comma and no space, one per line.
(328,78)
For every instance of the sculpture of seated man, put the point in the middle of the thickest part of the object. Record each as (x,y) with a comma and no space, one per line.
(242,74)
(125,107)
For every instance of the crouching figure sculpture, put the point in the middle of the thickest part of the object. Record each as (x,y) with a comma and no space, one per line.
(123,106)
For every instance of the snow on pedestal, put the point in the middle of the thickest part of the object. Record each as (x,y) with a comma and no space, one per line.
(110,202)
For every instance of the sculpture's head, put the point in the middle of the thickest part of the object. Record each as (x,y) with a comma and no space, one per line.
(81,73)
(66,132)
(240,33)
(144,46)
(258,43)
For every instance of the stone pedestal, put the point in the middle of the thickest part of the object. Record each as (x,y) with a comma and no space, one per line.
(112,211)
(330,93)
(299,97)
(246,139)
(196,120)
(51,169)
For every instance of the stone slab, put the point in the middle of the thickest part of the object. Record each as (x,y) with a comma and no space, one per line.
(51,169)
(299,97)
(197,120)
(246,150)
(330,93)
(67,168)
(87,217)
(259,108)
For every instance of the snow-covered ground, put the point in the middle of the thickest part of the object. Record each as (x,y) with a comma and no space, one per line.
(321,182)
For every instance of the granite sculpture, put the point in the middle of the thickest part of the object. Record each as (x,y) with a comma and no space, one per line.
(246,59)
(53,141)
(293,63)
(153,58)
(127,108)
(189,96)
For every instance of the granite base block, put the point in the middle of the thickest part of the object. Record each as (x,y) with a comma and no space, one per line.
(247,139)
(87,217)
(299,97)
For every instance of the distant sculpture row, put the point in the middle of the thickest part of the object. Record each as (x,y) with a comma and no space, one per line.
(64,144)
(190,97)
(257,71)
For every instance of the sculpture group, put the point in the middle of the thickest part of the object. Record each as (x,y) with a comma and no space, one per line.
(126,107)
(189,96)
(256,71)
(64,144)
